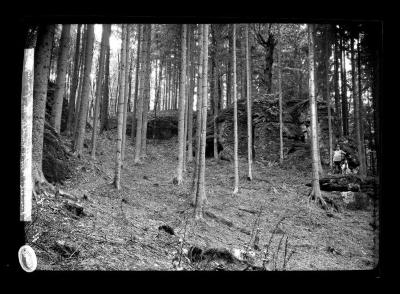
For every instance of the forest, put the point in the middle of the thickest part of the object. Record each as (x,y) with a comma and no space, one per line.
(201,147)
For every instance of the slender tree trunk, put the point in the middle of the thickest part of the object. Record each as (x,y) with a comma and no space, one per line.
(187,94)
(337,91)
(26,181)
(181,122)
(41,74)
(133,128)
(127,97)
(140,98)
(118,161)
(363,163)
(243,63)
(249,115)
(229,71)
(201,197)
(191,97)
(74,84)
(158,96)
(344,91)
(214,88)
(198,116)
(81,125)
(235,119)
(82,71)
(99,84)
(61,74)
(280,96)
(105,92)
(316,192)
(327,95)
(356,105)
(146,92)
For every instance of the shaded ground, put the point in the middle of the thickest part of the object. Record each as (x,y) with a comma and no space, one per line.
(120,229)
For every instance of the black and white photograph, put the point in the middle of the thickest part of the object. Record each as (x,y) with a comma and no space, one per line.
(232,145)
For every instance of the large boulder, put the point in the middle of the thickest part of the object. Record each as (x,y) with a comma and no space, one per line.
(56,159)
(265,131)
(163,126)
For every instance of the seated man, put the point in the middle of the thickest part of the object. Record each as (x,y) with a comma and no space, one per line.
(338,157)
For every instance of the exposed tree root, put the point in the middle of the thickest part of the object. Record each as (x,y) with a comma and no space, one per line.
(318,199)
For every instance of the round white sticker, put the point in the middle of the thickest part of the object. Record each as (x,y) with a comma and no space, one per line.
(27,258)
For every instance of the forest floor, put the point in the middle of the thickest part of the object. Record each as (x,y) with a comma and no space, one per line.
(120,229)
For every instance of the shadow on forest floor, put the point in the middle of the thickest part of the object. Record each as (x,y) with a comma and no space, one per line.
(125,230)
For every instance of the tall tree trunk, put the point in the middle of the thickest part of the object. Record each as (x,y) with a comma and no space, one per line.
(362,156)
(80,87)
(74,84)
(243,63)
(118,160)
(61,74)
(327,95)
(280,96)
(146,91)
(235,118)
(127,97)
(140,103)
(158,96)
(191,97)
(199,104)
(133,127)
(41,74)
(81,125)
(356,104)
(214,87)
(336,85)
(181,122)
(345,110)
(201,197)
(249,115)
(316,192)
(105,92)
(26,183)
(229,70)
(99,84)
